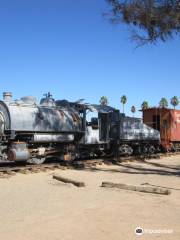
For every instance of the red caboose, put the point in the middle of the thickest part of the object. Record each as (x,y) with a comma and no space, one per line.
(167,121)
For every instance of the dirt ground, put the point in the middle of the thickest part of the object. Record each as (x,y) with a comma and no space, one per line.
(37,207)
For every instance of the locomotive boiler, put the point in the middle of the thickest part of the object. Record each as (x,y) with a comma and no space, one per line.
(32,132)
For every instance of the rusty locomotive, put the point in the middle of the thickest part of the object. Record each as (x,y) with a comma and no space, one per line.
(32,132)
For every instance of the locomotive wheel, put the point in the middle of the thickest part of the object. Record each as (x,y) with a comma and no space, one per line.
(125,150)
(36,160)
(151,149)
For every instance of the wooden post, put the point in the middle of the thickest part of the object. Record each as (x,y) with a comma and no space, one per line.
(156,190)
(67,180)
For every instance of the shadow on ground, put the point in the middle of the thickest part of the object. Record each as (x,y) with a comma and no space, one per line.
(146,168)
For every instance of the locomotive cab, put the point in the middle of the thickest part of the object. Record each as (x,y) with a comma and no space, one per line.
(94,123)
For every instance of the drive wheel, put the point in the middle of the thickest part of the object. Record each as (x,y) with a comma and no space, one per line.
(151,149)
(36,161)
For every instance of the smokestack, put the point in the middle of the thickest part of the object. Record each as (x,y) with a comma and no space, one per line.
(7,96)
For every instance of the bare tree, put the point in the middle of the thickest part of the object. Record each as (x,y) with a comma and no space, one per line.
(151,20)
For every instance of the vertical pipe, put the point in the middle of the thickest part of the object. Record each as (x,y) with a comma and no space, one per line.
(84,119)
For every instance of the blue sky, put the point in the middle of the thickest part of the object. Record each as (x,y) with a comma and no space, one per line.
(69,48)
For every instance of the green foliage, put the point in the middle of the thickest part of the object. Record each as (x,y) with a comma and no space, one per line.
(144,105)
(123,101)
(174,101)
(151,20)
(133,109)
(163,103)
(104,101)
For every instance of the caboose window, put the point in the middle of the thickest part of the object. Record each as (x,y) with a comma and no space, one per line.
(156,122)
(165,124)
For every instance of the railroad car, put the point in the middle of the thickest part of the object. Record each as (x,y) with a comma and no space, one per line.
(129,134)
(32,132)
(167,122)
(114,133)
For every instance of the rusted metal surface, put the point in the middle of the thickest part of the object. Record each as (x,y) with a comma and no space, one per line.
(167,121)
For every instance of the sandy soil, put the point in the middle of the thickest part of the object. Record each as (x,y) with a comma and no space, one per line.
(36,207)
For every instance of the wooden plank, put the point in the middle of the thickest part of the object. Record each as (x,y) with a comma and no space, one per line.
(67,180)
(155,190)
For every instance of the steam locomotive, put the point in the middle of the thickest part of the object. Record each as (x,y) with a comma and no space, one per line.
(32,132)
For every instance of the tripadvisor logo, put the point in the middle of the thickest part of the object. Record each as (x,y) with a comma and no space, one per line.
(139,231)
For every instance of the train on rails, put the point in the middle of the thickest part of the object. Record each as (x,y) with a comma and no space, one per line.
(32,131)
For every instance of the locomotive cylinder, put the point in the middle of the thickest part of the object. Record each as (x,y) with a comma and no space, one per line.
(18,152)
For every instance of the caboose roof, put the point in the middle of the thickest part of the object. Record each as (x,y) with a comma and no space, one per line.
(159,109)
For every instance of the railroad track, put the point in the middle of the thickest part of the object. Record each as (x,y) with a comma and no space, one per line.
(9,169)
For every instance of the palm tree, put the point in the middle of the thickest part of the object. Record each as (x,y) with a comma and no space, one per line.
(144,105)
(103,101)
(123,101)
(174,101)
(163,103)
(133,110)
